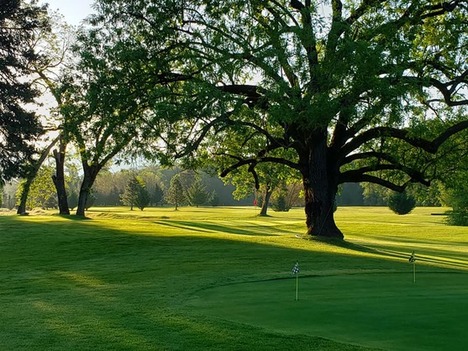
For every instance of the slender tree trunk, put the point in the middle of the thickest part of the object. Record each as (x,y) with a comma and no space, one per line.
(31,176)
(59,180)
(320,187)
(89,176)
(25,193)
(265,200)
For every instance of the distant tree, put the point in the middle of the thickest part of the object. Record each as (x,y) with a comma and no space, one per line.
(214,199)
(287,196)
(153,182)
(350,194)
(175,194)
(279,201)
(72,199)
(196,194)
(401,203)
(136,194)
(374,195)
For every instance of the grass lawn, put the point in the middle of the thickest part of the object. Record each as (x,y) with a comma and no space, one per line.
(220,279)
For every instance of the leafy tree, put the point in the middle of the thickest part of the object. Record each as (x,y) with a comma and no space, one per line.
(350,194)
(136,194)
(266,177)
(347,93)
(18,126)
(153,183)
(30,175)
(175,194)
(458,199)
(97,121)
(72,199)
(105,115)
(54,44)
(196,194)
(42,191)
(401,203)
(280,203)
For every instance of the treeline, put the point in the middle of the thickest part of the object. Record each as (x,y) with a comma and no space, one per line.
(157,186)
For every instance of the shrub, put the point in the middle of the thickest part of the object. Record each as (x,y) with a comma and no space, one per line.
(458,217)
(401,203)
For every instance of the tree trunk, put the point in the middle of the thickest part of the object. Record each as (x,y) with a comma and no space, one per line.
(31,176)
(319,175)
(265,200)
(25,193)
(89,176)
(59,180)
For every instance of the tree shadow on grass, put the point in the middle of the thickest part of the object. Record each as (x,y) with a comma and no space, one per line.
(437,256)
(210,227)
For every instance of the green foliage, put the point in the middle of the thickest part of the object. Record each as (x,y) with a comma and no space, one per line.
(175,194)
(72,199)
(90,200)
(279,202)
(196,194)
(136,194)
(249,85)
(42,192)
(401,203)
(458,199)
(19,127)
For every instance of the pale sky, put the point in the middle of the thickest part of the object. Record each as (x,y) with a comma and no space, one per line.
(74,11)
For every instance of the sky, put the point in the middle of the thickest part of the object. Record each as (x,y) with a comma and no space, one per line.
(74,11)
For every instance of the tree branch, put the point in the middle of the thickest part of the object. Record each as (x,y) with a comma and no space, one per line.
(404,135)
(415,175)
(362,178)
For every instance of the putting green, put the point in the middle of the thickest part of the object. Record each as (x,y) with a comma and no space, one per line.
(383,310)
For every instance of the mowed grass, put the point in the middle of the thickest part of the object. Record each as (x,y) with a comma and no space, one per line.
(220,279)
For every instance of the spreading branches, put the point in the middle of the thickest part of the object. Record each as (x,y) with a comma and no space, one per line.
(404,135)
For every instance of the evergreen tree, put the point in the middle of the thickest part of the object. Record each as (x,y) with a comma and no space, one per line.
(18,127)
(136,194)
(197,195)
(175,194)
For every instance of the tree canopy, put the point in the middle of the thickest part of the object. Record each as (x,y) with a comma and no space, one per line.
(19,127)
(354,91)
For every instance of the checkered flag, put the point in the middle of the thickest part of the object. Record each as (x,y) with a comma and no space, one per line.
(295,269)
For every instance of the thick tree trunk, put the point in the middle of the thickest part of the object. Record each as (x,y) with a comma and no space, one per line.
(320,187)
(59,180)
(89,176)
(265,200)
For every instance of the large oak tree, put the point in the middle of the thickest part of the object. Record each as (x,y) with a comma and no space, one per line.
(347,87)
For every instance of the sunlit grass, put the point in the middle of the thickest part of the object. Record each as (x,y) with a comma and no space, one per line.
(219,279)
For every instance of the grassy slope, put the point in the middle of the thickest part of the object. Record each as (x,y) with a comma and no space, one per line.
(164,280)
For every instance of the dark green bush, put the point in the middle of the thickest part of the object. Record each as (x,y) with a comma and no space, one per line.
(401,203)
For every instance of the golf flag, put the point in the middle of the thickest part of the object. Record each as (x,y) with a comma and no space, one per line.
(295,269)
(412,259)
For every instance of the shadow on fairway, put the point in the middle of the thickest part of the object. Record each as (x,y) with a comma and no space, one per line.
(78,285)
(209,227)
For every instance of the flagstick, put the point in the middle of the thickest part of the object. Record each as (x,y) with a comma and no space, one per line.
(414,272)
(297,286)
